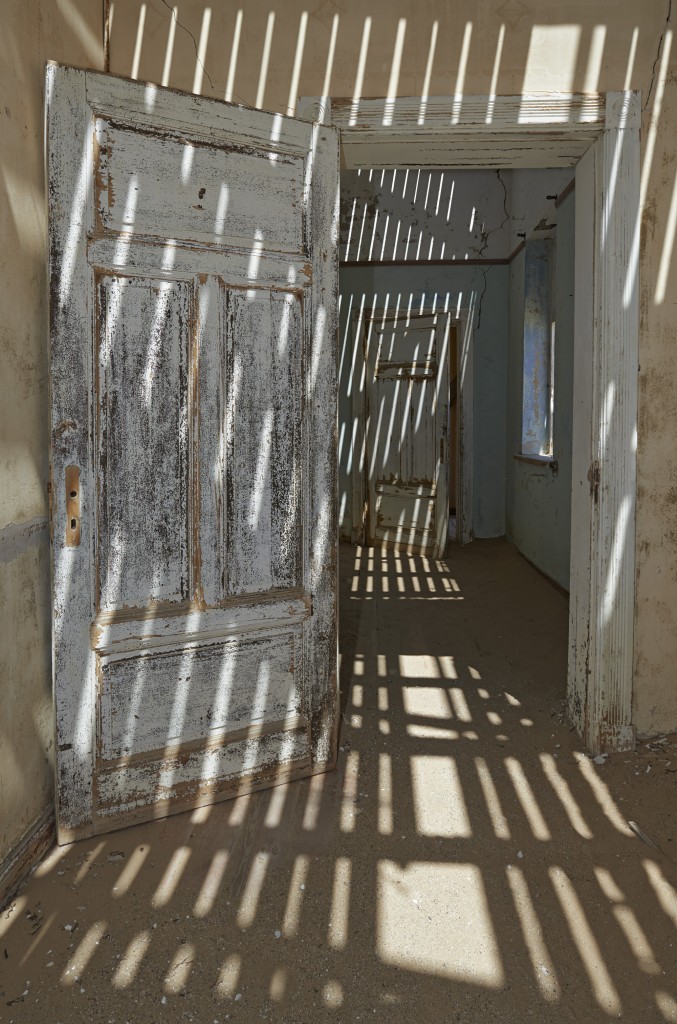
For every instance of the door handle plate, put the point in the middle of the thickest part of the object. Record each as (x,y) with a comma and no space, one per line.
(72,506)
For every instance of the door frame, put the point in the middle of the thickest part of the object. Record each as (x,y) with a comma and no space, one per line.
(557,130)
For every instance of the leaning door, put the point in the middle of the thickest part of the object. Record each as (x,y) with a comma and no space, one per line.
(407,360)
(193,389)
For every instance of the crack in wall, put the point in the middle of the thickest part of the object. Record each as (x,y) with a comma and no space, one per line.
(485,242)
(185,29)
(658,55)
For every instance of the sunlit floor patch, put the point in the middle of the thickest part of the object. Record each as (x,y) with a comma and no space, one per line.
(435,919)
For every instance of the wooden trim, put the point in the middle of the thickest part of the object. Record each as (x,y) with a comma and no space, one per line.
(564,113)
(28,852)
(536,460)
(604,468)
(106,35)
(465,496)
(230,791)
(536,130)
(571,187)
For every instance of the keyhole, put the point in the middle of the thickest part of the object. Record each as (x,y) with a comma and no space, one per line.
(73,524)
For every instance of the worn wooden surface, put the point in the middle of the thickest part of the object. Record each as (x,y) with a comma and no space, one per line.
(604,480)
(407,392)
(541,130)
(193,367)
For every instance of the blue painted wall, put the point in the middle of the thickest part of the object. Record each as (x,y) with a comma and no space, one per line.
(538,500)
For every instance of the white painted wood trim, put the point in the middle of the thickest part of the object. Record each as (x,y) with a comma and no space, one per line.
(442,419)
(581,442)
(322,193)
(600,686)
(538,130)
(608,677)
(569,113)
(358,403)
(465,519)
(71,315)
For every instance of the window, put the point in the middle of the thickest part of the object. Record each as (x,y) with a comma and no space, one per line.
(538,391)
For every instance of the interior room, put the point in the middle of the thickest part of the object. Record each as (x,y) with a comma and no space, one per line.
(337,555)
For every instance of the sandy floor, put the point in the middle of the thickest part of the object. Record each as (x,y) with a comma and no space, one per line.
(463,864)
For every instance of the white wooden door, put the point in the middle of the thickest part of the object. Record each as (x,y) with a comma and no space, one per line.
(407,359)
(193,383)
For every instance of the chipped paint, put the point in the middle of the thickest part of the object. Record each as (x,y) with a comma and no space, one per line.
(195,623)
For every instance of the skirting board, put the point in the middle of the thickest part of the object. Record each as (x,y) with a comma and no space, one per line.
(26,855)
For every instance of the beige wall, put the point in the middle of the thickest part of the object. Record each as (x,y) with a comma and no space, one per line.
(32,32)
(478,48)
(389,46)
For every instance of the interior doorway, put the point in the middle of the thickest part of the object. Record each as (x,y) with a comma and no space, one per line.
(599,136)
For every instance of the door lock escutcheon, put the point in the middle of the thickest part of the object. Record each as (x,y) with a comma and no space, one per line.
(72,506)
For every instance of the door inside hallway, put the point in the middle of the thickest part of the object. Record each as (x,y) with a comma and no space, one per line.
(407,412)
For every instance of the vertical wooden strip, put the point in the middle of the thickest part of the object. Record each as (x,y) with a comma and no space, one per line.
(582,482)
(210,447)
(286,470)
(70,152)
(605,429)
(614,426)
(321,663)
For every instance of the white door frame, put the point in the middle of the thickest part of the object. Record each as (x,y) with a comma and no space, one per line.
(556,130)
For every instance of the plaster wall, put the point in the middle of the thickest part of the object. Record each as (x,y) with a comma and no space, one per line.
(538,499)
(32,32)
(424,215)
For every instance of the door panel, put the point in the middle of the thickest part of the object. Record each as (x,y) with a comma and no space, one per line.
(141,404)
(407,360)
(264,370)
(193,380)
(259,200)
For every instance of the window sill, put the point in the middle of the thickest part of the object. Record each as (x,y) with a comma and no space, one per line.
(538,460)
